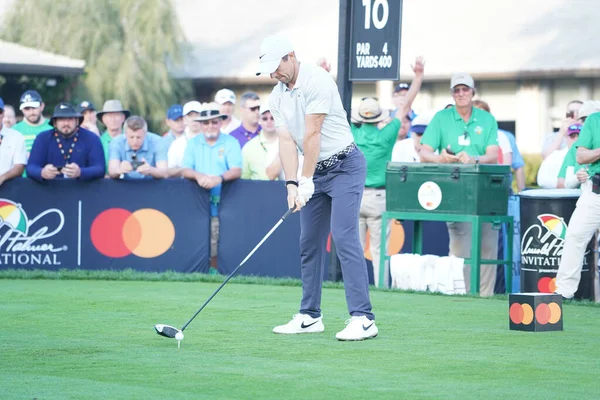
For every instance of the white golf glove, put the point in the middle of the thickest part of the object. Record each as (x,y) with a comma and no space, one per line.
(306,188)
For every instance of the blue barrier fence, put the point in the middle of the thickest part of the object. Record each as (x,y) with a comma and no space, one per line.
(158,226)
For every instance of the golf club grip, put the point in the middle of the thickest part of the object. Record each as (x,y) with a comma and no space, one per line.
(232,274)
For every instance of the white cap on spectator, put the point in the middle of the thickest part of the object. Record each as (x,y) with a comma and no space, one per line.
(192,106)
(588,108)
(225,95)
(272,50)
(462,78)
(264,108)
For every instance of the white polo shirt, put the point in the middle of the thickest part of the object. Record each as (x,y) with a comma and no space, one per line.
(315,92)
(12,149)
(177,150)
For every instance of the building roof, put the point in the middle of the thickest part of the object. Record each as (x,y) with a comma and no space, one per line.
(512,38)
(17,59)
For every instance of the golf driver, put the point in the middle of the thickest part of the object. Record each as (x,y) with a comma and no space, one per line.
(172,332)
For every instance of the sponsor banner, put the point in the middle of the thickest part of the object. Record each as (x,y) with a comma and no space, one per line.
(143,225)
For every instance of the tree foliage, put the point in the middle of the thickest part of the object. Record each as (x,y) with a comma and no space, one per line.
(128,46)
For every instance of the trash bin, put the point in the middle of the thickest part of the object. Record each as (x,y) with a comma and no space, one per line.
(545,215)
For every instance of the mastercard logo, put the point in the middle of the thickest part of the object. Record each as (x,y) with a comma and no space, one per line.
(544,313)
(146,233)
(547,285)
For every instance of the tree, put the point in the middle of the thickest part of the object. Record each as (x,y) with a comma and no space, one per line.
(128,45)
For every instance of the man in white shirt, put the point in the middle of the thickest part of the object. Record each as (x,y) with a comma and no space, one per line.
(226,100)
(193,128)
(13,156)
(309,116)
(547,177)
(407,150)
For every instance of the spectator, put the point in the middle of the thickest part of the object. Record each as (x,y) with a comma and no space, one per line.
(261,155)
(407,150)
(10,118)
(176,125)
(558,141)
(137,154)
(112,116)
(249,129)
(571,174)
(13,156)
(547,177)
(376,145)
(33,122)
(193,128)
(67,150)
(508,147)
(211,159)
(226,99)
(398,97)
(472,134)
(90,120)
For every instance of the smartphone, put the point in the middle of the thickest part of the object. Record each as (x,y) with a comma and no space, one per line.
(136,164)
(59,169)
(449,151)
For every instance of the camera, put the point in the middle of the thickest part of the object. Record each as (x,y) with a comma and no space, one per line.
(135,164)
(596,183)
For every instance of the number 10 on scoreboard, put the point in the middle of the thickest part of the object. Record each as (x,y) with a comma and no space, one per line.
(375,49)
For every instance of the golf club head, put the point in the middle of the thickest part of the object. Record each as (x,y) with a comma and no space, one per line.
(166,330)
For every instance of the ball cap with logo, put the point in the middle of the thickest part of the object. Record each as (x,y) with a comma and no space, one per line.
(272,50)
(175,112)
(30,99)
(225,96)
(86,106)
(65,110)
(462,78)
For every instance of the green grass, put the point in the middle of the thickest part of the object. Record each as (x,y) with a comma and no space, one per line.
(93,339)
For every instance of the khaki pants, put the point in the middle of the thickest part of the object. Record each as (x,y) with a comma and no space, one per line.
(372,208)
(460,246)
(583,224)
(214,235)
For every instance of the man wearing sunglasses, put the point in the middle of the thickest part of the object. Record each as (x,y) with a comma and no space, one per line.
(211,159)
(249,128)
(468,135)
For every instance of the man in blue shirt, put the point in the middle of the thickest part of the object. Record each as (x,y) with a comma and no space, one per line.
(211,159)
(67,151)
(138,154)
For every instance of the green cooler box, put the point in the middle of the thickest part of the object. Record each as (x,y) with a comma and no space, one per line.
(468,189)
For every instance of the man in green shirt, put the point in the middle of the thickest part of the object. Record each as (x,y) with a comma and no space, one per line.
(113,115)
(33,122)
(377,145)
(468,135)
(585,220)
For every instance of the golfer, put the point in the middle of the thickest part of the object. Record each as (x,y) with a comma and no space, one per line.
(309,115)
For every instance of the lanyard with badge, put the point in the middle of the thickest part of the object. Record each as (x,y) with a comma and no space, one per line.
(464,139)
(66,155)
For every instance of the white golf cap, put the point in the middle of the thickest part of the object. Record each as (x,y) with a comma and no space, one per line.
(192,106)
(462,78)
(272,50)
(264,108)
(225,95)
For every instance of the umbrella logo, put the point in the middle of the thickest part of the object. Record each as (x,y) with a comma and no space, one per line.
(14,216)
(555,225)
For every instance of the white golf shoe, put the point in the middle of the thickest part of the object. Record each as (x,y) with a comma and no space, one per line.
(358,328)
(301,323)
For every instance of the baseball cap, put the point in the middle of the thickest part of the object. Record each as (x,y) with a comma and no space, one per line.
(588,108)
(461,78)
(264,108)
(84,106)
(192,106)
(401,86)
(225,95)
(574,129)
(31,98)
(272,50)
(175,112)
(419,124)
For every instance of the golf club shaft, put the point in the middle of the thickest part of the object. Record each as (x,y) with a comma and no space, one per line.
(288,212)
